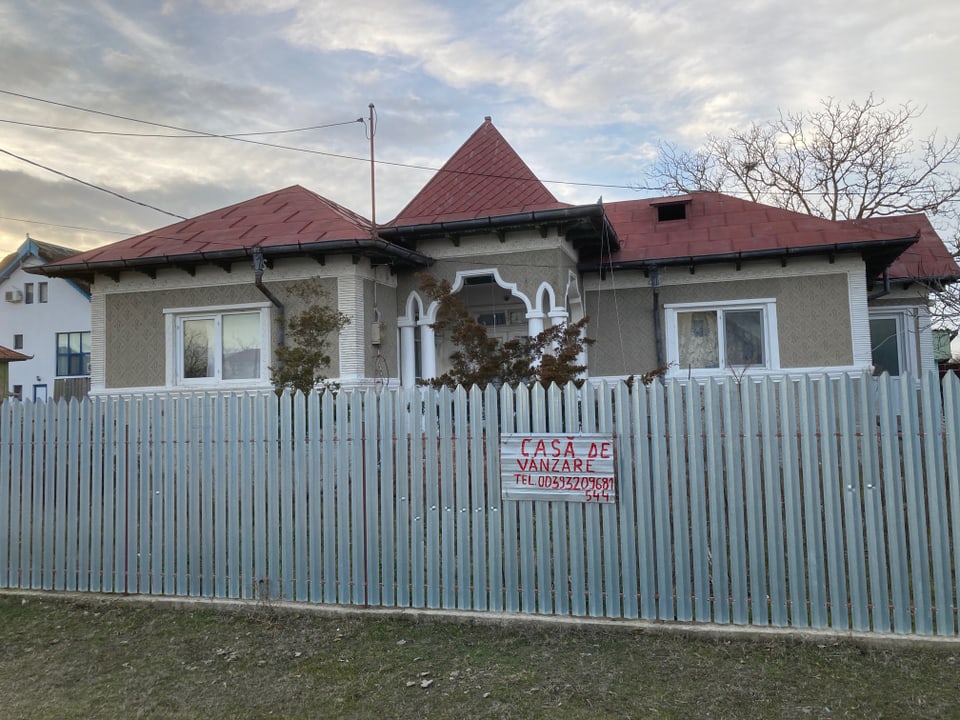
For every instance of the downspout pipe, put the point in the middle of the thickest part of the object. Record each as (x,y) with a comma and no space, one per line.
(657,322)
(886,287)
(259,265)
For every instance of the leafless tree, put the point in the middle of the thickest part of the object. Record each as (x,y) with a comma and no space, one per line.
(838,161)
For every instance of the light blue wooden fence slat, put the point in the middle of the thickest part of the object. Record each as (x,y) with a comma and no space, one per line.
(559,531)
(771,482)
(10,423)
(22,423)
(184,491)
(951,410)
(371,474)
(20,506)
(832,512)
(206,487)
(314,471)
(302,486)
(478,510)
(62,439)
(813,520)
(70,449)
(643,494)
(447,545)
(418,509)
(98,550)
(170,449)
(792,504)
(509,511)
(661,501)
(112,496)
(328,426)
(873,506)
(698,502)
(358,569)
(85,507)
(431,438)
(592,519)
(626,496)
(219,482)
(232,482)
(893,499)
(284,499)
(248,407)
(575,522)
(736,522)
(851,484)
(192,487)
(542,513)
(462,511)
(494,514)
(679,494)
(405,398)
(147,485)
(753,500)
(916,509)
(934,479)
(717,502)
(33,416)
(387,488)
(527,557)
(608,513)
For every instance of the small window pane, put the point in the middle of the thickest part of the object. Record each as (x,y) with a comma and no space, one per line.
(42,292)
(241,346)
(885,345)
(743,335)
(18,342)
(697,339)
(28,293)
(198,348)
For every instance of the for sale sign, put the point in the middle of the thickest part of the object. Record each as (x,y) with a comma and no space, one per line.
(571,468)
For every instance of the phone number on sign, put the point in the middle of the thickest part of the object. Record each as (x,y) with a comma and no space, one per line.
(595,488)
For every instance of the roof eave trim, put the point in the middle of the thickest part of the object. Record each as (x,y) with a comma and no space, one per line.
(834,248)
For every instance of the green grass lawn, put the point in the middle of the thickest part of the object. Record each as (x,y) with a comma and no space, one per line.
(105,658)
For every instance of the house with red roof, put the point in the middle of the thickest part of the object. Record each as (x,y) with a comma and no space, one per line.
(706,284)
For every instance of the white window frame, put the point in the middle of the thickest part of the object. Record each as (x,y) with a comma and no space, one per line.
(173,321)
(771,340)
(905,318)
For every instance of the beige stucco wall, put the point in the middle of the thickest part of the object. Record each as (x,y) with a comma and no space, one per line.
(813,319)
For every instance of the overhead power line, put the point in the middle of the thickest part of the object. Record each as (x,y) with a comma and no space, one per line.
(168,135)
(323,153)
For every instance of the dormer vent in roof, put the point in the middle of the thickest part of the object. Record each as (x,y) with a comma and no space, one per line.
(672,210)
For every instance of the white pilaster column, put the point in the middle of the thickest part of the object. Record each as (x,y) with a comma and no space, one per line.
(428,350)
(534,323)
(408,347)
(351,346)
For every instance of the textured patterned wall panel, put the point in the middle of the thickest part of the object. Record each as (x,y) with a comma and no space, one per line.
(813,315)
(622,325)
(135,342)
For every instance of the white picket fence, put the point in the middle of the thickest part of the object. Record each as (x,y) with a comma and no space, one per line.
(810,502)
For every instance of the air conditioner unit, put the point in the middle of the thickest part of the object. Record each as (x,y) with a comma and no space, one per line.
(13,296)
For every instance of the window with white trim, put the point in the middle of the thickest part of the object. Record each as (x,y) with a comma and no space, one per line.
(890,345)
(213,346)
(735,335)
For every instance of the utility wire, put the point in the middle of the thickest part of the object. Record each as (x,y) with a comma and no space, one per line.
(68,227)
(428,168)
(90,185)
(167,135)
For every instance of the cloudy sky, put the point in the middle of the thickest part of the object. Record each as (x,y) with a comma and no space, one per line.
(582,89)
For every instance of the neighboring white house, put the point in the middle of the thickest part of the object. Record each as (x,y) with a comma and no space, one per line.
(47,319)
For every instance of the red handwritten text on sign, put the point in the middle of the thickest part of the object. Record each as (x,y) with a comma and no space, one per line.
(572,468)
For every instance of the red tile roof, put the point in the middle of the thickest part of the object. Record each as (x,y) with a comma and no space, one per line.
(718,224)
(928,259)
(484,178)
(8,355)
(293,216)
